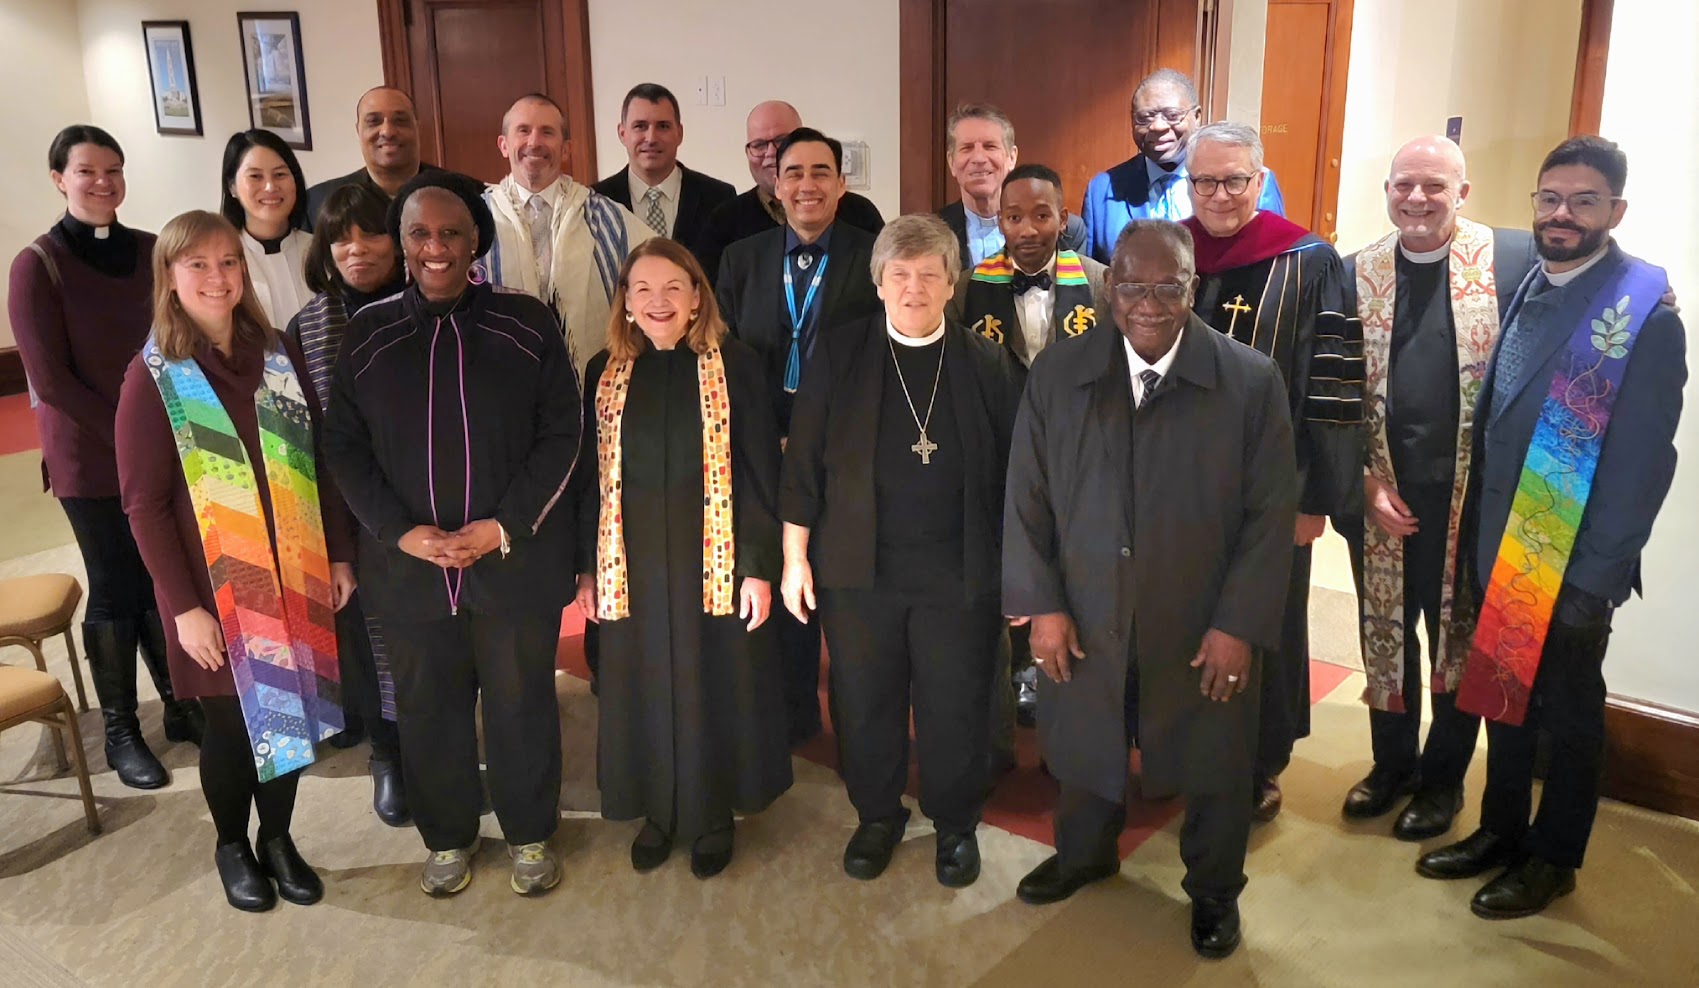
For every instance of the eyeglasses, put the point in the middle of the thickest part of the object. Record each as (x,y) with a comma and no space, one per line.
(758,148)
(1133,292)
(1546,203)
(1172,114)
(1236,184)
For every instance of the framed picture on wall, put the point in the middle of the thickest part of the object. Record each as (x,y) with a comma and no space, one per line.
(277,82)
(171,70)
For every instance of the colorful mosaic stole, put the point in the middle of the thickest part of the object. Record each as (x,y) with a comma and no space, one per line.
(989,305)
(1551,498)
(1473,293)
(279,626)
(719,546)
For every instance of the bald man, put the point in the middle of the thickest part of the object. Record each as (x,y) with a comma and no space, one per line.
(759,209)
(1431,295)
(388,126)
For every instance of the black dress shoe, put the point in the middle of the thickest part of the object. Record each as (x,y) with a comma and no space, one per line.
(296,880)
(651,848)
(1026,700)
(1266,800)
(389,793)
(1476,854)
(710,854)
(958,860)
(1377,792)
(245,885)
(1049,882)
(1524,890)
(1215,927)
(353,732)
(1429,814)
(869,850)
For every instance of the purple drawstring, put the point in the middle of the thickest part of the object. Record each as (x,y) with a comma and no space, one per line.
(451,583)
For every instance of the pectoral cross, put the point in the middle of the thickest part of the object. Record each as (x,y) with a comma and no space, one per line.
(925,448)
(1236,306)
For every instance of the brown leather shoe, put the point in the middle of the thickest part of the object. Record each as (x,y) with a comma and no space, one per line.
(1266,805)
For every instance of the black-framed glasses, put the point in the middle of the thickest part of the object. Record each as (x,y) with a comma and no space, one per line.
(1235,184)
(1546,203)
(1172,114)
(763,146)
(1133,292)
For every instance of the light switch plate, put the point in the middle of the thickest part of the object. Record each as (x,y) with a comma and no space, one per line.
(857,165)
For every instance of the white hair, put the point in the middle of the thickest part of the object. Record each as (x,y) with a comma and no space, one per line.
(1233,135)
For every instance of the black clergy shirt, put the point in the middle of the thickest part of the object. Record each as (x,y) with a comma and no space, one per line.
(918,505)
(1421,386)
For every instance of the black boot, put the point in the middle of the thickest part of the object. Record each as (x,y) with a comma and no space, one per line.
(245,883)
(389,793)
(111,650)
(183,719)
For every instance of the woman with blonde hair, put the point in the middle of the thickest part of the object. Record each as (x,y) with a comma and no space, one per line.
(218,477)
(679,547)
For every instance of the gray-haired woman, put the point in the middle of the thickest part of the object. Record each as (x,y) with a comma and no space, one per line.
(898,447)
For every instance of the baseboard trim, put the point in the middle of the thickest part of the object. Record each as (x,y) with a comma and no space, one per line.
(1652,756)
(12,372)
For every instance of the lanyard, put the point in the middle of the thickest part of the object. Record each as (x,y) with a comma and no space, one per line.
(808,299)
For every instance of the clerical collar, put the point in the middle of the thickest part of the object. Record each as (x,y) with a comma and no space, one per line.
(1561,278)
(110,250)
(927,340)
(823,241)
(269,246)
(1425,256)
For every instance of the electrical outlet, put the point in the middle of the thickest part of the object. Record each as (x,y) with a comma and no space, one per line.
(717,91)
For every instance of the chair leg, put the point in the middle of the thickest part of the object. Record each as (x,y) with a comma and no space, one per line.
(76,670)
(76,736)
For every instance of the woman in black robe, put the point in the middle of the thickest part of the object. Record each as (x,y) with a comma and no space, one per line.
(692,725)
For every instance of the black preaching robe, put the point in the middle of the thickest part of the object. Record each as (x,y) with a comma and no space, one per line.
(692,725)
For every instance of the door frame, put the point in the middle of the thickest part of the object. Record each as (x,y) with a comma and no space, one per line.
(573,43)
(1586,106)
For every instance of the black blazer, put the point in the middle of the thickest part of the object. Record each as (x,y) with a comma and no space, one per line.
(744,216)
(698,196)
(827,481)
(751,293)
(955,214)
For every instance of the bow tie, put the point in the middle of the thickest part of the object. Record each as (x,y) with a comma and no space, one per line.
(1022,282)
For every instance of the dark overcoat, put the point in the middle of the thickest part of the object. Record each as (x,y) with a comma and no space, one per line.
(1149,528)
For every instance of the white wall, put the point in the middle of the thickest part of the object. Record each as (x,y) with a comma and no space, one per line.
(40,74)
(1506,66)
(1651,108)
(754,44)
(171,174)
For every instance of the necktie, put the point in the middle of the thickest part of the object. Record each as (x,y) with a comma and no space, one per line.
(539,216)
(1162,205)
(1022,282)
(1150,379)
(656,219)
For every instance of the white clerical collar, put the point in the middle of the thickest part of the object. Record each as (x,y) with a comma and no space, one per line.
(669,186)
(1561,278)
(1137,363)
(1425,256)
(101,232)
(1049,266)
(926,340)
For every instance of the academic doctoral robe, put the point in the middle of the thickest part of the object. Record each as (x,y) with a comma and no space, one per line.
(692,724)
(1150,526)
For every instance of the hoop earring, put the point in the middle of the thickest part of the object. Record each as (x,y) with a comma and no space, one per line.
(693,313)
(631,317)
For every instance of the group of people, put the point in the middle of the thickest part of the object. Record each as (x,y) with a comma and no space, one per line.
(363,442)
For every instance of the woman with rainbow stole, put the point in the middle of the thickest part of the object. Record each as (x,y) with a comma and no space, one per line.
(217,474)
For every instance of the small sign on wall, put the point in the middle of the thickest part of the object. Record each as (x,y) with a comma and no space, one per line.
(1454,130)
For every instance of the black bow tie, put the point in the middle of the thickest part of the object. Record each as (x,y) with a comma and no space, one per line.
(1022,282)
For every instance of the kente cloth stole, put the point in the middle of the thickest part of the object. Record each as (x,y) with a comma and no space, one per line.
(1551,497)
(1473,294)
(279,625)
(719,546)
(989,305)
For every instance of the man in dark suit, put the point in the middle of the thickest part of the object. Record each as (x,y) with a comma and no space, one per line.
(981,139)
(1431,296)
(778,291)
(675,201)
(1152,495)
(760,209)
(388,126)
(1574,454)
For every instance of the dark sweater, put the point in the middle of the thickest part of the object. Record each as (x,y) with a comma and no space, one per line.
(76,338)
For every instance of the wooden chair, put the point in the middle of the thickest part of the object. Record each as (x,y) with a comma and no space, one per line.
(27,695)
(34,609)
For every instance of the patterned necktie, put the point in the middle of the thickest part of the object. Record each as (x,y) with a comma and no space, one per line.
(1514,348)
(656,219)
(539,216)
(1162,204)
(1023,282)
(1150,379)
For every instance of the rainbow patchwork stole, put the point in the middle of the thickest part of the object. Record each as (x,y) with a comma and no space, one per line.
(989,307)
(279,626)
(1551,499)
(719,543)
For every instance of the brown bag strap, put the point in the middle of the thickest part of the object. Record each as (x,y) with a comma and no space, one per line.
(47,260)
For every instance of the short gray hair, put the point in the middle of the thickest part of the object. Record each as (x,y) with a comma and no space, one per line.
(1228,134)
(977,111)
(913,236)
(1173,235)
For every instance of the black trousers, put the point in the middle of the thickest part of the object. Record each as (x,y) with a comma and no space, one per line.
(119,588)
(1285,713)
(889,653)
(441,668)
(1213,836)
(799,658)
(1014,656)
(228,780)
(1568,704)
(361,693)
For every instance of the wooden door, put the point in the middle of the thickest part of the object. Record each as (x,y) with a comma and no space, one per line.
(1303,105)
(466,61)
(1063,70)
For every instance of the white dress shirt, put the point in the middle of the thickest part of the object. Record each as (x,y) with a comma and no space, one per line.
(669,189)
(280,279)
(1034,308)
(538,209)
(1136,364)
